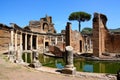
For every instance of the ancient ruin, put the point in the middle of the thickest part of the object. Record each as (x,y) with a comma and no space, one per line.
(69,66)
(104,42)
(41,37)
(36,37)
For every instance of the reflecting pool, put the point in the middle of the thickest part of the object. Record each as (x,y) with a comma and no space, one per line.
(82,65)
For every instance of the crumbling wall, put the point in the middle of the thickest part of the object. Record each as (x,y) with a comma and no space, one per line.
(112,43)
(103,40)
(4,38)
(74,39)
(43,26)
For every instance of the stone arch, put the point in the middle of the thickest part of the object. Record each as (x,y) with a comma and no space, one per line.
(45,27)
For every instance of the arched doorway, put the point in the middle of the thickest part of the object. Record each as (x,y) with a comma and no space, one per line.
(45,27)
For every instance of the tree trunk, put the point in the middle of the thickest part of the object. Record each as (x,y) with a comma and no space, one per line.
(79,25)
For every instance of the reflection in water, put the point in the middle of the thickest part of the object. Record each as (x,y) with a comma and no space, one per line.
(82,65)
(88,68)
(59,66)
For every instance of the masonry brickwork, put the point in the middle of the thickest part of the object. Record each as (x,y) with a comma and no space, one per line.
(103,40)
(38,35)
(43,26)
(4,37)
(74,39)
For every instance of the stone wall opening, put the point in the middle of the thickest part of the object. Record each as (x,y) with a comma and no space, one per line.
(80,46)
(46,44)
(34,42)
(23,40)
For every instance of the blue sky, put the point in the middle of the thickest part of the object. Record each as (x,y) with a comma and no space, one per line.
(22,11)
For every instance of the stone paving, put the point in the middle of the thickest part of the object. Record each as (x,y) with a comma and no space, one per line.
(13,71)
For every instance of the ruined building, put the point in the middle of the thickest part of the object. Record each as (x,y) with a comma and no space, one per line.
(74,39)
(41,35)
(104,42)
(38,35)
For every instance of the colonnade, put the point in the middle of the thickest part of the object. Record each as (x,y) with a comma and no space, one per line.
(28,41)
(22,42)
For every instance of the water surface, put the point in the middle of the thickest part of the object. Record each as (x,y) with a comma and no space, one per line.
(82,65)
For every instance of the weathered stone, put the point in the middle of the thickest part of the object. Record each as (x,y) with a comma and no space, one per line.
(103,40)
(35,63)
(74,39)
(69,67)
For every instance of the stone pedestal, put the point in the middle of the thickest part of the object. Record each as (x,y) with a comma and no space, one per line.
(35,63)
(69,67)
(69,70)
(19,55)
(11,53)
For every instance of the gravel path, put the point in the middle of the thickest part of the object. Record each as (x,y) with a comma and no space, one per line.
(12,71)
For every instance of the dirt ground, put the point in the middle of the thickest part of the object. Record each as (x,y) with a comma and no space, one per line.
(13,71)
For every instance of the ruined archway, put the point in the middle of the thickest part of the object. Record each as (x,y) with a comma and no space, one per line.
(45,27)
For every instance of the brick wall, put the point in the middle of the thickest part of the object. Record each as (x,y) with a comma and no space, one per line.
(103,40)
(112,43)
(4,38)
(74,39)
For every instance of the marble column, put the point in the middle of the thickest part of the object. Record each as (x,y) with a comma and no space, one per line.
(12,32)
(35,63)
(55,40)
(20,51)
(16,47)
(31,47)
(16,41)
(69,57)
(11,48)
(69,66)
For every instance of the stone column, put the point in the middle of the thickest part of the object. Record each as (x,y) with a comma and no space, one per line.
(31,47)
(20,51)
(26,41)
(12,32)
(16,41)
(55,40)
(68,34)
(11,48)
(20,54)
(16,50)
(69,67)
(35,63)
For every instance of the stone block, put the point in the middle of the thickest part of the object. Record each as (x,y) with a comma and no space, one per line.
(71,71)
